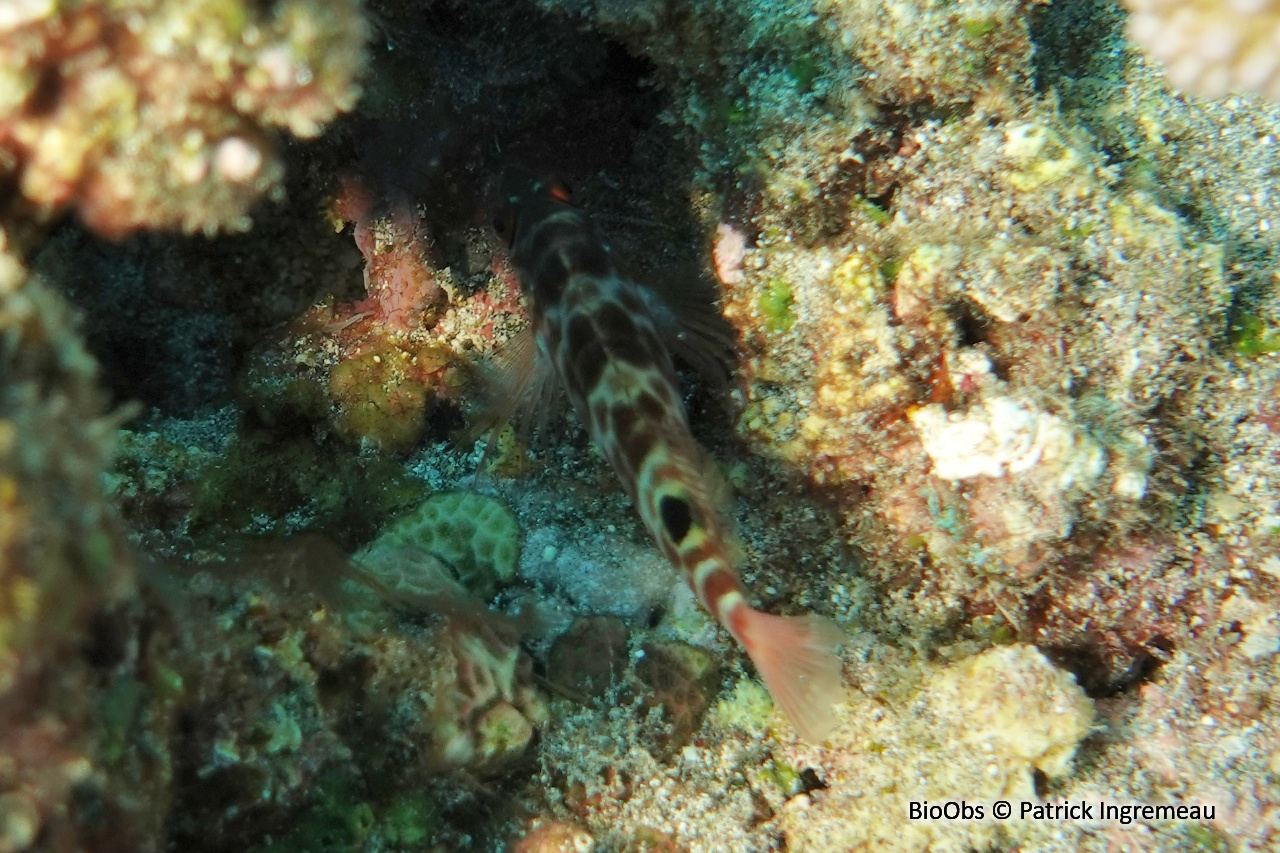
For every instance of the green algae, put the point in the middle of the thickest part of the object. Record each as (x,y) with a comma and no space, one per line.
(119,709)
(804,70)
(410,819)
(873,211)
(1206,839)
(338,820)
(977,28)
(776,305)
(264,485)
(343,819)
(1251,338)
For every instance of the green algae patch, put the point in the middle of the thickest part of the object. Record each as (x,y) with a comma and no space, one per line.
(342,818)
(1206,839)
(120,707)
(977,28)
(782,776)
(266,486)
(338,820)
(873,211)
(1251,338)
(749,708)
(776,305)
(410,820)
(804,71)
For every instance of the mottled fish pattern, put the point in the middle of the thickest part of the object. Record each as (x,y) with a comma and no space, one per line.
(601,333)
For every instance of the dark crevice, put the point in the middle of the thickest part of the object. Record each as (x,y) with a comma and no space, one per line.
(1077,41)
(1103,672)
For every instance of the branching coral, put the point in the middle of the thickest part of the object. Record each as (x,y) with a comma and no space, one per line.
(160,113)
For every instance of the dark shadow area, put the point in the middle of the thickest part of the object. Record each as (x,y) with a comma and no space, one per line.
(1077,41)
(457,93)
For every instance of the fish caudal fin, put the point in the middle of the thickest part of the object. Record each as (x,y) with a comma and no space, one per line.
(796,657)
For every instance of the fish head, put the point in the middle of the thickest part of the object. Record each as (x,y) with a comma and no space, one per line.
(526,199)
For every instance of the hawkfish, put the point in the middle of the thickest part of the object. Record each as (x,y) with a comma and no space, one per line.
(608,341)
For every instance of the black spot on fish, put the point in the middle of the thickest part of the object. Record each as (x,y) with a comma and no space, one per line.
(651,407)
(588,366)
(676,517)
(615,323)
(549,278)
(588,256)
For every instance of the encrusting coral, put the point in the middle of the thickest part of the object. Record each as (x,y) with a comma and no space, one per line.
(372,369)
(978,731)
(86,87)
(63,561)
(1211,47)
(475,537)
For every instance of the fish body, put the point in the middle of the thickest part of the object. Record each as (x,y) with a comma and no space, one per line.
(605,337)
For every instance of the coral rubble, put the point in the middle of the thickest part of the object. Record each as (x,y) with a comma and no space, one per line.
(1211,48)
(159,114)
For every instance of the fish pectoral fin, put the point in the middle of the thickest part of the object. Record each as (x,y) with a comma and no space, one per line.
(689,322)
(520,378)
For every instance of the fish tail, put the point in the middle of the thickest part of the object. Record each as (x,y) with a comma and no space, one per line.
(796,657)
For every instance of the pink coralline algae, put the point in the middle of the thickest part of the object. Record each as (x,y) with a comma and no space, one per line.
(729,251)
(400,281)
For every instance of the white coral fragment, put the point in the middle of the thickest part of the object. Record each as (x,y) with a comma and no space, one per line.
(1025,711)
(1000,437)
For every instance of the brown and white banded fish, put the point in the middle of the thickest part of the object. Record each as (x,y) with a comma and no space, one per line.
(606,340)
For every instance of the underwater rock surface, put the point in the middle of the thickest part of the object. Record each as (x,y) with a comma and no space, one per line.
(1002,403)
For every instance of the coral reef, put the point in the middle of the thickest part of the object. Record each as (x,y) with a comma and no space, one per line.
(371,368)
(198,87)
(476,538)
(220,494)
(1004,407)
(1211,48)
(63,562)
(553,837)
(296,680)
(990,722)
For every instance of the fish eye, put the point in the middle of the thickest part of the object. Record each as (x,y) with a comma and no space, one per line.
(560,192)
